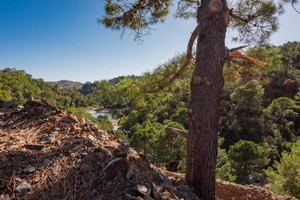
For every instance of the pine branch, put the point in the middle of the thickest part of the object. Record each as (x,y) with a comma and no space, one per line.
(184,66)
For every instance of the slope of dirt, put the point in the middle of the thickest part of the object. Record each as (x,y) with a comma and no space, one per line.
(47,153)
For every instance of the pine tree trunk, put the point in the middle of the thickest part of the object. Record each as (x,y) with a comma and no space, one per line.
(206,85)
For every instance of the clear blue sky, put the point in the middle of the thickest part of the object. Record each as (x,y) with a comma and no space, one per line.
(60,39)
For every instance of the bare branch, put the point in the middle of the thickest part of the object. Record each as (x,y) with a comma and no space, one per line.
(295,8)
(177,131)
(235,53)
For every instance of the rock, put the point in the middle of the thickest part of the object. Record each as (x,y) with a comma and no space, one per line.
(29,169)
(23,187)
(39,109)
(7,104)
(56,129)
(142,189)
(34,147)
(76,129)
(165,195)
(4,197)
(115,168)
(46,161)
(48,138)
(133,151)
(81,120)
(104,151)
(72,118)
(91,137)
(18,179)
(118,153)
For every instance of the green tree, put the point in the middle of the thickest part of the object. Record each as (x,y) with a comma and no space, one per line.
(104,123)
(4,95)
(247,160)
(254,21)
(244,121)
(280,118)
(120,134)
(286,179)
(172,148)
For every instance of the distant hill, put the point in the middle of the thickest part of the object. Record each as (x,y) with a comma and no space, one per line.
(67,84)
(119,78)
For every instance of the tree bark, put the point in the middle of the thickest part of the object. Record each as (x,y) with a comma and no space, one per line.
(206,85)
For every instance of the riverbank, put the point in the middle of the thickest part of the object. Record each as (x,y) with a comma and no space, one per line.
(95,112)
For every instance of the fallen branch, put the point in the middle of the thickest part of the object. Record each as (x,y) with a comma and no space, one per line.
(177,131)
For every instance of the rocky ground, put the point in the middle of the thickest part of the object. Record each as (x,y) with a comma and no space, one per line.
(47,153)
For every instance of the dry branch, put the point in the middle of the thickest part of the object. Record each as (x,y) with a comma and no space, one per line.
(235,53)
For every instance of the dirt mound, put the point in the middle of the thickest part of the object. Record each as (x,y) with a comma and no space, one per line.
(47,153)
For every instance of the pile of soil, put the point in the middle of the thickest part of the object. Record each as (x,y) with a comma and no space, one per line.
(47,153)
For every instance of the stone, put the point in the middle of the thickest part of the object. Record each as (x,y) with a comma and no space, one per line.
(18,179)
(142,189)
(115,168)
(72,118)
(81,120)
(32,111)
(34,147)
(4,197)
(39,109)
(46,161)
(23,187)
(48,138)
(7,104)
(29,169)
(91,137)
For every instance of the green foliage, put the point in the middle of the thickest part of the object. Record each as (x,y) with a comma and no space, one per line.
(117,114)
(280,118)
(265,110)
(120,134)
(286,179)
(159,146)
(247,160)
(243,120)
(137,15)
(18,86)
(4,95)
(255,20)
(104,123)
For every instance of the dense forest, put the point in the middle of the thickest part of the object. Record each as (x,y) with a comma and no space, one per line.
(259,127)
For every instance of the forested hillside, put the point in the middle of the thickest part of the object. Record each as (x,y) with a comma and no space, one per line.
(258,127)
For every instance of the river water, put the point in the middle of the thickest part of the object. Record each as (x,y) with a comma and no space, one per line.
(108,114)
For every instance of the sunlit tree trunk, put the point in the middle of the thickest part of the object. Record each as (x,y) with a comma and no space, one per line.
(206,85)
